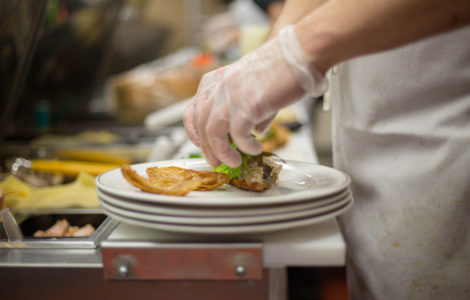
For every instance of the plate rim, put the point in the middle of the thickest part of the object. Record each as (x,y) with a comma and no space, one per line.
(224,221)
(237,230)
(200,201)
(181,210)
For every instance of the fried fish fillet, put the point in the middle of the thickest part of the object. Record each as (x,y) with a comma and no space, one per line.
(257,177)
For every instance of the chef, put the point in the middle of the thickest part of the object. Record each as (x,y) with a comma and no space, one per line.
(399,86)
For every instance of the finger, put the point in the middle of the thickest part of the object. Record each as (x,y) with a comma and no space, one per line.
(197,115)
(241,129)
(188,121)
(217,129)
(201,116)
(265,124)
(225,152)
(209,155)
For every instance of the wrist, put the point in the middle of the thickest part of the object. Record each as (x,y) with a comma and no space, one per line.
(305,72)
(317,43)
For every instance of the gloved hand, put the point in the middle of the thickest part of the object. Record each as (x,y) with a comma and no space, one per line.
(247,94)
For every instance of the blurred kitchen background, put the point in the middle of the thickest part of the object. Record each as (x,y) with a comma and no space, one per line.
(79,79)
(63,64)
(57,56)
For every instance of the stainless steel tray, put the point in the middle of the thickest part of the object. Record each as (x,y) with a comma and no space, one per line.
(30,221)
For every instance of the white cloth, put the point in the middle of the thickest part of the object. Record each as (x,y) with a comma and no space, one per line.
(401,130)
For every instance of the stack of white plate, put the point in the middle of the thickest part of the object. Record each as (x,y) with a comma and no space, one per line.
(305,194)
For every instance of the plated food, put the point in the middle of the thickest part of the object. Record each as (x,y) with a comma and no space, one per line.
(174,181)
(305,193)
(256,173)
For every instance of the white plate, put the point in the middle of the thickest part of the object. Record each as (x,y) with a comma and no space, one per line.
(235,229)
(153,217)
(298,181)
(225,211)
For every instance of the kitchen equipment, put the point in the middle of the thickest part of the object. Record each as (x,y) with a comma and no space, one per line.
(81,193)
(12,230)
(166,116)
(298,181)
(306,193)
(211,212)
(231,229)
(223,220)
(71,168)
(65,167)
(35,220)
(1,198)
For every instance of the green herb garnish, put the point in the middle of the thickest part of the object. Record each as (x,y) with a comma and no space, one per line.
(268,135)
(233,172)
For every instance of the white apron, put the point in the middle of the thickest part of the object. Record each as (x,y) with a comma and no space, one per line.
(401,130)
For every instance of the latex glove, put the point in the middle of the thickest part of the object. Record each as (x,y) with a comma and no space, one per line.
(248,93)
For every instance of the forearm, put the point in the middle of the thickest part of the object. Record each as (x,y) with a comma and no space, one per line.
(343,29)
(293,11)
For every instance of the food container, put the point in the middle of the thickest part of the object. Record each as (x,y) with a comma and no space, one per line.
(32,221)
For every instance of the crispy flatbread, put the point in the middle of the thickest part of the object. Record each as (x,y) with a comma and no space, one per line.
(211,180)
(174,181)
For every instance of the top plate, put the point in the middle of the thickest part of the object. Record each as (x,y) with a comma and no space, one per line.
(298,181)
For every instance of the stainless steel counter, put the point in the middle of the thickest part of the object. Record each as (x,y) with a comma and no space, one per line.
(51,258)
